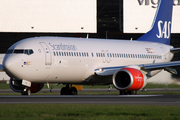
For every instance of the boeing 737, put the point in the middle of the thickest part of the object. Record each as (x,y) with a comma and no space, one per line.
(126,64)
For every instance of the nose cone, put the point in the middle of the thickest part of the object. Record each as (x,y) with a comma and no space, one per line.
(10,65)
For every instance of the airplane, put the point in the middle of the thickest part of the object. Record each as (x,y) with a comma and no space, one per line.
(126,64)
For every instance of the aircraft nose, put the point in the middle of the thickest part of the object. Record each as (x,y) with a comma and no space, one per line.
(10,65)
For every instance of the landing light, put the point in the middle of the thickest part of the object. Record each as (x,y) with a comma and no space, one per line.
(100,70)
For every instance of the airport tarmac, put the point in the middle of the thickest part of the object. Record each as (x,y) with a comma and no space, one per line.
(173,100)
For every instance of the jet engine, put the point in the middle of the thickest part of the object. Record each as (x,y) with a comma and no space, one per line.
(16,85)
(129,79)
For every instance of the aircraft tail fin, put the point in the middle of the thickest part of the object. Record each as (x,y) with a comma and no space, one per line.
(161,27)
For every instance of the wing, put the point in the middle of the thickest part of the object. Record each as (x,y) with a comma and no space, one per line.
(145,67)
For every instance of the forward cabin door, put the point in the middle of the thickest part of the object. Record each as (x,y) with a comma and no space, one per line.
(48,59)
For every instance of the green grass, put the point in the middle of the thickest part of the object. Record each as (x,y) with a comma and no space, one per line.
(87,112)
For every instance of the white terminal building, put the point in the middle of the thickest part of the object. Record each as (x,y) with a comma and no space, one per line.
(112,19)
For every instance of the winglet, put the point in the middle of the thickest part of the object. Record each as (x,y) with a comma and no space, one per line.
(161,27)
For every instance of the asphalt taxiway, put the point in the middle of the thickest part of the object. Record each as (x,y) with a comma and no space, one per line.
(172,100)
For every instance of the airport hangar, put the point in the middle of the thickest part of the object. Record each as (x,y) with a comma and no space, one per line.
(112,19)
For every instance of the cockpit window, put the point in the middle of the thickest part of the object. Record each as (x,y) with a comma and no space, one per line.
(9,51)
(30,52)
(26,52)
(20,51)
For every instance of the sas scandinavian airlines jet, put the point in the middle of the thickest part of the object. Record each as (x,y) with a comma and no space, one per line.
(125,64)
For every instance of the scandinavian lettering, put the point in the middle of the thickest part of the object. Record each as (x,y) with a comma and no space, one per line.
(63,47)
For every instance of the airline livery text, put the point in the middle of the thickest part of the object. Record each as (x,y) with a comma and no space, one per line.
(165,31)
(63,47)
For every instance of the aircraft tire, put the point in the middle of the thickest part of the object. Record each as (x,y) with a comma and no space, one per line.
(127,92)
(122,92)
(73,91)
(63,91)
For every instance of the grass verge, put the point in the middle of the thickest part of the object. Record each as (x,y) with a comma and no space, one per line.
(87,112)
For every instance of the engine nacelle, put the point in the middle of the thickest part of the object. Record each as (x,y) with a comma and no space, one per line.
(16,86)
(36,87)
(129,79)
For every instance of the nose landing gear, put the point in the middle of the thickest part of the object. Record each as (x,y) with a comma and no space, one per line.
(68,90)
(26,91)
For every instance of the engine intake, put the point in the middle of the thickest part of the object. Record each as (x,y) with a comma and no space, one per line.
(16,86)
(129,79)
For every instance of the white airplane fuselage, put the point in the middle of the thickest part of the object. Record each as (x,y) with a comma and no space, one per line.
(73,60)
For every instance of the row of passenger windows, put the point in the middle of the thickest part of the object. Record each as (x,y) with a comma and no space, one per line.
(112,55)
(20,51)
(83,54)
(118,55)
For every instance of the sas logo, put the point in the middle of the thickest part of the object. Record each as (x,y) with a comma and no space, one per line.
(164,29)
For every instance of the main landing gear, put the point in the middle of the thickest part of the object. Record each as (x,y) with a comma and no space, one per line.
(127,92)
(68,90)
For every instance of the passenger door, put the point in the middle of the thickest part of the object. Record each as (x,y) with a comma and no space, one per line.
(48,59)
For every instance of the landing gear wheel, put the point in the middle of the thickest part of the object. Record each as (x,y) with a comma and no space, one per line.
(132,92)
(26,91)
(68,90)
(121,92)
(127,92)
(63,91)
(73,91)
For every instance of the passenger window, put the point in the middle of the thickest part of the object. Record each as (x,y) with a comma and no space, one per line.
(110,55)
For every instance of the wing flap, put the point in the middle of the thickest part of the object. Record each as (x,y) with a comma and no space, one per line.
(155,66)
